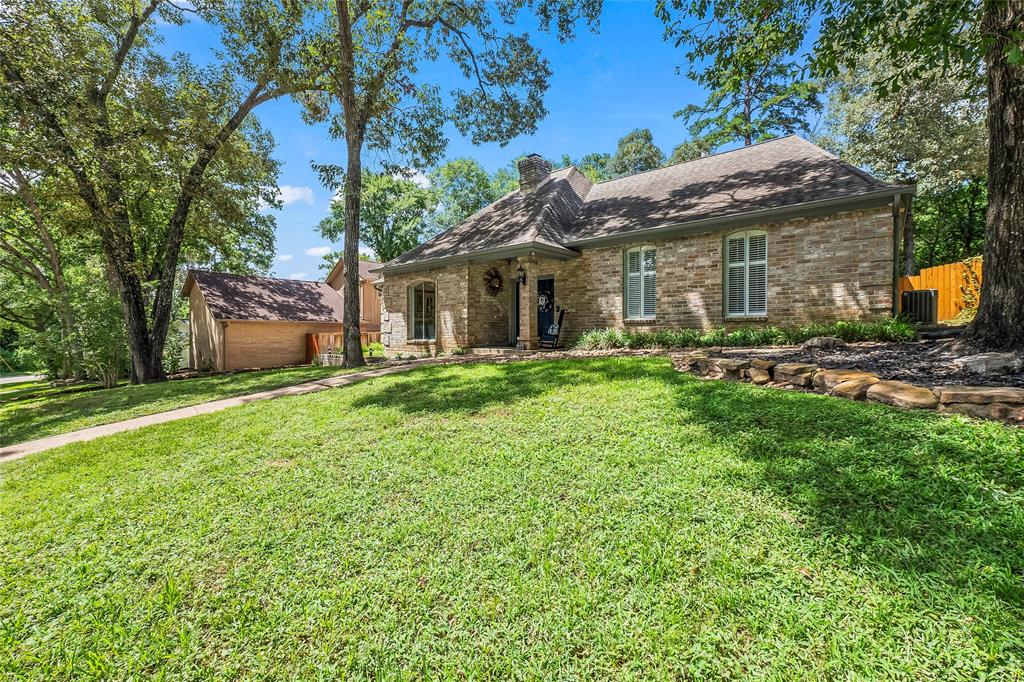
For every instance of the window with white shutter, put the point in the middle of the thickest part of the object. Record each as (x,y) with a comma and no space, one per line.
(746,274)
(640,283)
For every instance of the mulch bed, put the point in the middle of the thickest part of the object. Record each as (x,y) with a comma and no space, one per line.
(924,363)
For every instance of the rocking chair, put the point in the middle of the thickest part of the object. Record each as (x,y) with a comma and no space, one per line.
(549,337)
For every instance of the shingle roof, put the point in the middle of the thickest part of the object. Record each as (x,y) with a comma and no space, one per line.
(517,218)
(568,210)
(247,297)
(775,174)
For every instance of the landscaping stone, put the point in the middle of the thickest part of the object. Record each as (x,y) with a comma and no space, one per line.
(732,370)
(991,363)
(826,379)
(855,389)
(796,373)
(759,363)
(902,395)
(759,376)
(980,395)
(709,367)
(998,411)
(823,342)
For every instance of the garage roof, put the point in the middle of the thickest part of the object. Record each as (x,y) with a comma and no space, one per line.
(267,299)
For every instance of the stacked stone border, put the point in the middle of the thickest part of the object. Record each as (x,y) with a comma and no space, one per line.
(984,402)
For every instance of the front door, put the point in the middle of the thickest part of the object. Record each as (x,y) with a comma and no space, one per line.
(545,303)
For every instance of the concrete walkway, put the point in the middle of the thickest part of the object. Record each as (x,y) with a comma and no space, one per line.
(19,450)
(20,378)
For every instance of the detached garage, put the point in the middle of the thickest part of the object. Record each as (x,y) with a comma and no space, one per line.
(243,321)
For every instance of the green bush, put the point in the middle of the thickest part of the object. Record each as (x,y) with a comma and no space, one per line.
(374,350)
(888,329)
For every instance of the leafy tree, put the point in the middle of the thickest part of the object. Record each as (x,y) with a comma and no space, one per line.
(930,132)
(164,156)
(384,104)
(593,165)
(690,150)
(970,38)
(463,187)
(756,89)
(950,224)
(393,215)
(636,153)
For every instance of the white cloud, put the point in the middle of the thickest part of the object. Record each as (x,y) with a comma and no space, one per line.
(298,275)
(318,251)
(284,258)
(290,194)
(419,178)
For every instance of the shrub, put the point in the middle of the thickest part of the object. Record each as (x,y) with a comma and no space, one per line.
(887,329)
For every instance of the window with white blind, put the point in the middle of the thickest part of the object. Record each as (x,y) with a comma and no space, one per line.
(422,312)
(746,274)
(640,284)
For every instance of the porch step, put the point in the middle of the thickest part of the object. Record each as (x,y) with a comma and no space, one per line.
(495,350)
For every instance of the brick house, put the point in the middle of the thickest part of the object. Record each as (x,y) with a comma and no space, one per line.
(777,233)
(246,322)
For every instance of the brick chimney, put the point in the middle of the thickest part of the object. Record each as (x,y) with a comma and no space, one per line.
(533,170)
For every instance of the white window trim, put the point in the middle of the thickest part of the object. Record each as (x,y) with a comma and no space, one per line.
(625,284)
(746,234)
(411,293)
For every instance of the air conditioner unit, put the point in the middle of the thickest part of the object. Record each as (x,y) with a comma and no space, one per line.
(921,305)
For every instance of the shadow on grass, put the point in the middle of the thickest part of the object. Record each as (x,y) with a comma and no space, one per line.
(908,492)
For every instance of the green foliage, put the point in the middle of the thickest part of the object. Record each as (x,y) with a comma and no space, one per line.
(636,152)
(743,55)
(949,225)
(393,215)
(690,150)
(428,525)
(888,329)
(101,336)
(463,187)
(374,350)
(160,154)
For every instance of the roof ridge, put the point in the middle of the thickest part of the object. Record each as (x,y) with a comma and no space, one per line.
(709,156)
(234,274)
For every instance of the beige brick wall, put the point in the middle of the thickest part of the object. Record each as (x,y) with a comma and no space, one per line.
(819,269)
(205,334)
(452,286)
(269,344)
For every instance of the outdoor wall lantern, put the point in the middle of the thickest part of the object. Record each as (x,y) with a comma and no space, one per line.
(521,274)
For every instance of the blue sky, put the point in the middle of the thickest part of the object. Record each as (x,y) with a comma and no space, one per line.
(603,86)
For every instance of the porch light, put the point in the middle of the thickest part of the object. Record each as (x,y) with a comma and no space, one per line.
(521,274)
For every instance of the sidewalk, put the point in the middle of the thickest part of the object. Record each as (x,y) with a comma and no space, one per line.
(20,378)
(19,450)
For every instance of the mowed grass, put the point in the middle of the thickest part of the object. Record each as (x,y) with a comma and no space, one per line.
(36,409)
(590,519)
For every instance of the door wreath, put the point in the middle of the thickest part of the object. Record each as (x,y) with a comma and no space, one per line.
(493,281)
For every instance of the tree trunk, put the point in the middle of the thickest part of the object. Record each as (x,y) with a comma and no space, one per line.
(353,189)
(999,323)
(355,127)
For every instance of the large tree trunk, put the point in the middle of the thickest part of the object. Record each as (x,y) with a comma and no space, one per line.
(355,127)
(353,189)
(999,323)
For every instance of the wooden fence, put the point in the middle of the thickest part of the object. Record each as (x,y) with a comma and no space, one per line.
(952,281)
(335,341)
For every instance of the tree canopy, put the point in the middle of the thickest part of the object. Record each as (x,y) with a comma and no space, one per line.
(636,152)
(394,214)
(756,88)
(163,157)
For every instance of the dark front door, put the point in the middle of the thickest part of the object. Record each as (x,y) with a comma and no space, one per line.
(545,304)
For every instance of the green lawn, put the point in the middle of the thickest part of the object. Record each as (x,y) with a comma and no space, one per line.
(569,520)
(35,409)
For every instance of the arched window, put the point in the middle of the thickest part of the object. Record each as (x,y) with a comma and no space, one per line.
(640,283)
(746,274)
(422,312)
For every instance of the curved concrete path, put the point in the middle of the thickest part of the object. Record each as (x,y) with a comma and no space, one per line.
(19,450)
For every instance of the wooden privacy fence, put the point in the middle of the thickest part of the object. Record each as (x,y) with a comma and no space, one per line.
(335,341)
(954,283)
